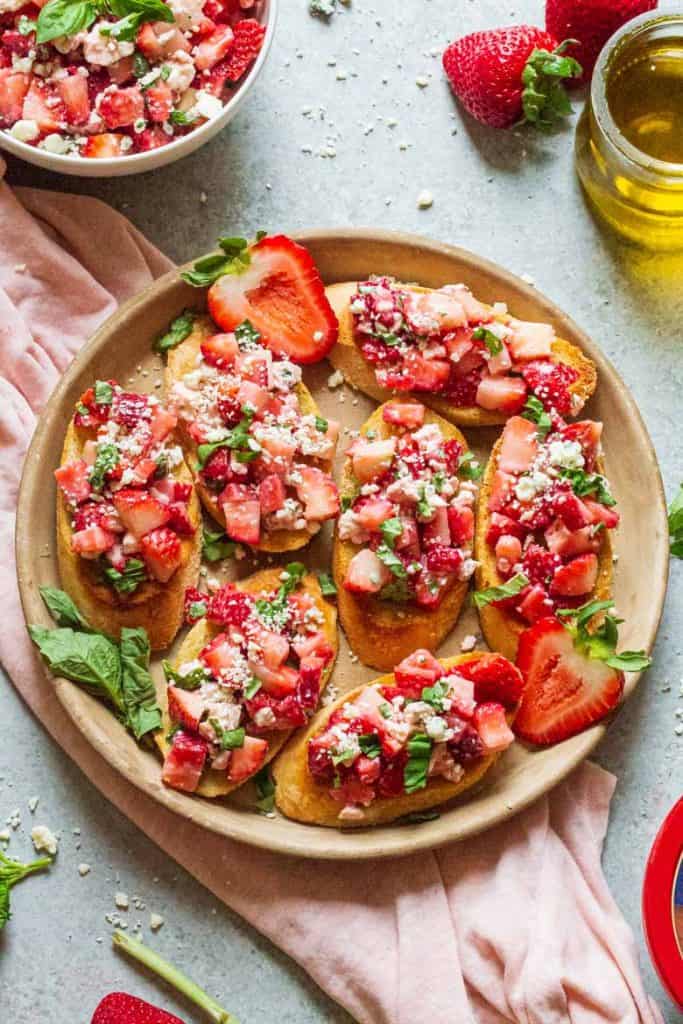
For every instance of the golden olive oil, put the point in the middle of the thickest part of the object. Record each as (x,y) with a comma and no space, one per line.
(645,97)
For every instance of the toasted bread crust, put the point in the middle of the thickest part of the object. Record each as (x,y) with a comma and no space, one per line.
(215,784)
(346,356)
(379,632)
(299,797)
(158,607)
(502,630)
(182,360)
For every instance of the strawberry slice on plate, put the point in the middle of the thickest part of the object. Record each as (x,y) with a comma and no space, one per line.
(275,285)
(565,689)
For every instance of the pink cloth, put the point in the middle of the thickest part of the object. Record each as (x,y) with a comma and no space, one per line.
(515,925)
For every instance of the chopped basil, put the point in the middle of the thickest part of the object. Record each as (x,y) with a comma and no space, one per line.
(391,530)
(584,484)
(163,467)
(238,440)
(228,739)
(515,585)
(106,459)
(246,334)
(369,744)
(321,424)
(534,410)
(178,330)
(385,709)
(265,787)
(469,468)
(252,687)
(600,642)
(392,561)
(216,545)
(275,611)
(234,258)
(491,340)
(676,524)
(188,680)
(129,580)
(327,585)
(104,392)
(438,480)
(25,26)
(141,65)
(434,695)
(182,118)
(417,765)
(345,756)
(397,591)
(196,610)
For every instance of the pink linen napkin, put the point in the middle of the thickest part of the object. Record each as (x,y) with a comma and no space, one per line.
(514,925)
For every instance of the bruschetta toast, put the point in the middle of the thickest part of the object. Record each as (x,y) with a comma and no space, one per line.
(244,678)
(128,517)
(543,527)
(402,553)
(253,435)
(401,744)
(472,363)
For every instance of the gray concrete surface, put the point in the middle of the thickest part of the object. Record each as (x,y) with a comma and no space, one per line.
(510,197)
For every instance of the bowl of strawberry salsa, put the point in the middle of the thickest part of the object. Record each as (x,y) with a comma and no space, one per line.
(102,88)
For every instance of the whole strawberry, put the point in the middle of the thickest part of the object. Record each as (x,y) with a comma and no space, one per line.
(591,22)
(511,75)
(119,1008)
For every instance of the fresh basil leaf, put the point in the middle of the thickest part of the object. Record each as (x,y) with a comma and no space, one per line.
(228,739)
(145,10)
(177,331)
(491,340)
(469,468)
(88,658)
(391,530)
(511,588)
(397,591)
(265,787)
(370,745)
(64,18)
(185,681)
(62,608)
(327,585)
(417,765)
(104,392)
(392,561)
(246,334)
(252,687)
(216,545)
(107,458)
(125,30)
(534,411)
(143,714)
(128,581)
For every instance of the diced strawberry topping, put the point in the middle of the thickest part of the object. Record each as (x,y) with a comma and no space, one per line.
(230,607)
(272,493)
(217,471)
(122,107)
(73,92)
(492,727)
(242,511)
(185,706)
(404,414)
(139,511)
(97,514)
(417,670)
(92,541)
(551,383)
(73,481)
(247,759)
(319,494)
(220,350)
(576,578)
(103,147)
(519,445)
(128,408)
(366,573)
(184,762)
(460,524)
(42,105)
(502,394)
(214,48)
(495,679)
(195,605)
(444,559)
(13,89)
(159,101)
(539,564)
(162,552)
(535,603)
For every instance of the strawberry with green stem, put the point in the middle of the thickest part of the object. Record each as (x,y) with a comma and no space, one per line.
(11,872)
(510,76)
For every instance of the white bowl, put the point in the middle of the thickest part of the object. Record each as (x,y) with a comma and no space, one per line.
(137,163)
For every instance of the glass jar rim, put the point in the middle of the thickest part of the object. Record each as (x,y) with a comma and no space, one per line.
(616,44)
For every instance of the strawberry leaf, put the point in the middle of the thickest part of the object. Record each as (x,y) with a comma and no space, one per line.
(544,100)
(600,641)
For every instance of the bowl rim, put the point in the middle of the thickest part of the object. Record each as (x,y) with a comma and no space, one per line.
(390,840)
(180,147)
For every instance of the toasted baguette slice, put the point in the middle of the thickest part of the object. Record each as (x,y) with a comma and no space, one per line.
(346,357)
(379,632)
(214,783)
(299,797)
(158,607)
(501,629)
(182,360)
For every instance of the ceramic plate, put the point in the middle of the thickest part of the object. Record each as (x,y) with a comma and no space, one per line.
(121,349)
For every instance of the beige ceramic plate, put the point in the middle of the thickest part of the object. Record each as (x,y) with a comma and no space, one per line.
(122,346)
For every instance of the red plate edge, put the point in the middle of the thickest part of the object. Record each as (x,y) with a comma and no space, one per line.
(658,887)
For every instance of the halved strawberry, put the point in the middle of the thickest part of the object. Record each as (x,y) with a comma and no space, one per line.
(519,445)
(576,578)
(185,706)
(319,494)
(495,679)
(220,349)
(118,1007)
(162,552)
(103,147)
(242,511)
(73,91)
(502,394)
(404,414)
(493,729)
(564,691)
(247,759)
(139,511)
(249,36)
(282,295)
(72,479)
(366,573)
(184,762)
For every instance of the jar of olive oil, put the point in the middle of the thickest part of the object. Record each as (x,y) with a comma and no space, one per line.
(629,142)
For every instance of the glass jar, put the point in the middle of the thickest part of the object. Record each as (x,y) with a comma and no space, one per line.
(629,142)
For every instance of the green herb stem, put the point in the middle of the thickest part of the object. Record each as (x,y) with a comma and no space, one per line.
(146,956)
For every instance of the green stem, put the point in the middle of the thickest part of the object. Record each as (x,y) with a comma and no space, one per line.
(173,976)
